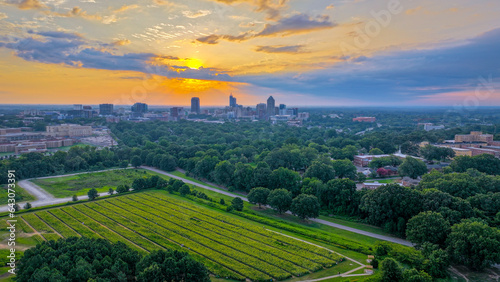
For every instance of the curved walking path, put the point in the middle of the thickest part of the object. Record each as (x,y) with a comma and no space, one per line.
(325,222)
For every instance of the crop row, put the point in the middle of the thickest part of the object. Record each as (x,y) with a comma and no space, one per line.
(289,261)
(58,225)
(262,253)
(37,223)
(290,252)
(99,229)
(286,240)
(215,262)
(190,236)
(119,229)
(76,225)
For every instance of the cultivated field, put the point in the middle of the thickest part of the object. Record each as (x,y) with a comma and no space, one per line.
(229,247)
(80,184)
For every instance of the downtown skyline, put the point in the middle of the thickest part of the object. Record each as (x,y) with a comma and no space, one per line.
(335,53)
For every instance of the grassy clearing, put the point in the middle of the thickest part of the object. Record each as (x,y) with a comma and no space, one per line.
(21,194)
(67,186)
(357,225)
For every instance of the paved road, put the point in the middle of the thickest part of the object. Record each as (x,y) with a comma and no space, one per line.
(354,230)
(45,199)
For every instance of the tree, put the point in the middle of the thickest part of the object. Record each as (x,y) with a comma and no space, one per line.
(285,178)
(75,198)
(222,202)
(376,151)
(172,266)
(413,275)
(427,227)
(412,167)
(93,194)
(237,204)
(136,161)
(474,244)
(184,190)
(258,196)
(139,184)
(27,206)
(78,259)
(437,260)
(361,177)
(280,200)
(305,206)
(320,171)
(223,173)
(391,271)
(242,177)
(111,191)
(344,169)
(122,188)
(338,195)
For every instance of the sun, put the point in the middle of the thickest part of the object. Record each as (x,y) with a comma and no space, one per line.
(193,63)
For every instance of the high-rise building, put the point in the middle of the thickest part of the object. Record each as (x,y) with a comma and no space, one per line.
(232,101)
(282,106)
(106,109)
(175,112)
(77,107)
(270,107)
(261,111)
(195,105)
(139,108)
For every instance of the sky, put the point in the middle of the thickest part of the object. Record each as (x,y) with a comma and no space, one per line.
(303,53)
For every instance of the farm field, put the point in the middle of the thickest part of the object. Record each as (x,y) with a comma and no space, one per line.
(80,184)
(229,247)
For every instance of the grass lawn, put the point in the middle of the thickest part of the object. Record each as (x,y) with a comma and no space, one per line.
(67,186)
(21,195)
(357,225)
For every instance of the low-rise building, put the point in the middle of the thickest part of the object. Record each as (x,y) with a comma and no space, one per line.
(69,130)
(31,147)
(365,119)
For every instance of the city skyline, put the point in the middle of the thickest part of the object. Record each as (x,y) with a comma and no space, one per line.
(328,53)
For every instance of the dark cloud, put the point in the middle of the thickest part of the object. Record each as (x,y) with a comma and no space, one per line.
(299,23)
(74,51)
(398,76)
(289,49)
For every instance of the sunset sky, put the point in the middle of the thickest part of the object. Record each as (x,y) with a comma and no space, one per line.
(316,52)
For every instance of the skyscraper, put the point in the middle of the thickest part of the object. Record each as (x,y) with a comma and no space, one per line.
(261,111)
(139,108)
(195,105)
(270,106)
(106,109)
(232,101)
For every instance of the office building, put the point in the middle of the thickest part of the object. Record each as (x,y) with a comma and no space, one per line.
(106,109)
(270,107)
(195,105)
(69,130)
(77,107)
(232,101)
(139,108)
(176,112)
(474,136)
(261,111)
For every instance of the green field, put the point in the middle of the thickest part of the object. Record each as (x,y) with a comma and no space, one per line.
(229,247)
(21,195)
(80,184)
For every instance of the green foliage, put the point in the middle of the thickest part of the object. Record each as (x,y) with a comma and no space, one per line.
(474,244)
(385,161)
(258,196)
(92,194)
(285,178)
(305,206)
(391,271)
(77,259)
(136,161)
(280,200)
(122,188)
(376,151)
(237,204)
(430,152)
(185,190)
(429,227)
(223,173)
(172,266)
(321,171)
(412,167)
(339,195)
(484,163)
(413,275)
(344,169)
